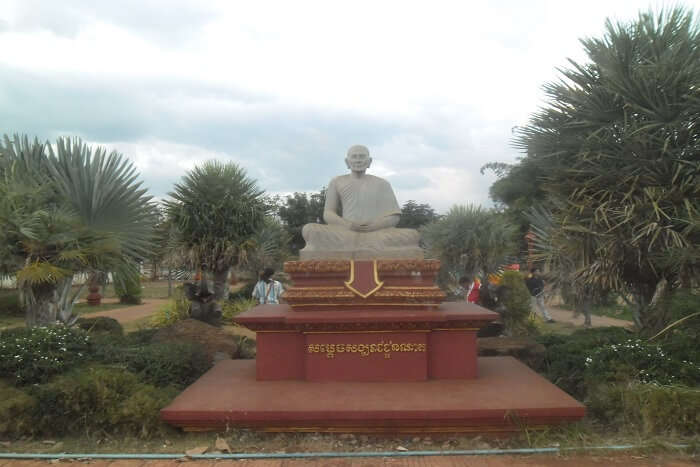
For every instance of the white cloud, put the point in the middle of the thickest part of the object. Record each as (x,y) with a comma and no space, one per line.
(283,88)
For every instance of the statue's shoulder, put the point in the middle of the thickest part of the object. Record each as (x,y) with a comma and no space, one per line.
(379,181)
(338,181)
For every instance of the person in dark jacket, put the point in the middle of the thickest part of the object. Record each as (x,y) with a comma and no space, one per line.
(535,285)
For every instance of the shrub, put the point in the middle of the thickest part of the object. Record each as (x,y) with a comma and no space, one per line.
(16,411)
(247,348)
(514,296)
(10,304)
(128,288)
(178,308)
(176,364)
(230,308)
(244,292)
(635,360)
(650,408)
(33,355)
(99,398)
(565,359)
(100,324)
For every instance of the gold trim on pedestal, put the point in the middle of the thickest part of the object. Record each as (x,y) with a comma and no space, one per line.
(352,278)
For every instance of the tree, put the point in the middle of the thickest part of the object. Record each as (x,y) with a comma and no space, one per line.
(217,209)
(414,215)
(617,150)
(468,240)
(297,211)
(66,211)
(268,247)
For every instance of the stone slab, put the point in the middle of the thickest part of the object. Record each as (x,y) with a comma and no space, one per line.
(505,397)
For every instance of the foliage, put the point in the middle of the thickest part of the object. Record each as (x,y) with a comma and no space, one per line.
(231,308)
(414,215)
(16,409)
(176,364)
(298,210)
(100,398)
(268,247)
(177,308)
(173,363)
(651,408)
(515,298)
(637,360)
(217,208)
(244,292)
(100,324)
(616,151)
(65,211)
(10,304)
(566,355)
(32,355)
(128,288)
(469,240)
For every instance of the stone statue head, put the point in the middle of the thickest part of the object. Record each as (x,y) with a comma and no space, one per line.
(358,159)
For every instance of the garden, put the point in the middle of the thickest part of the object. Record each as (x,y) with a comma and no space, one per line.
(626,246)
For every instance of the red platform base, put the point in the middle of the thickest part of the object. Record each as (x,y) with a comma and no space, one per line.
(506,397)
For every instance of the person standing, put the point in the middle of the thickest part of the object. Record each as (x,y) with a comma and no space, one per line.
(535,285)
(268,290)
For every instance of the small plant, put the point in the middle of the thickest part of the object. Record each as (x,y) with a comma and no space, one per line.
(515,300)
(231,308)
(128,288)
(16,411)
(99,398)
(34,355)
(178,308)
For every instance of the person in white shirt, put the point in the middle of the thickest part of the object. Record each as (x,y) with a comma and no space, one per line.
(268,290)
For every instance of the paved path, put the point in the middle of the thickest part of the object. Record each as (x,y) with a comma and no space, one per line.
(567,316)
(131,313)
(598,460)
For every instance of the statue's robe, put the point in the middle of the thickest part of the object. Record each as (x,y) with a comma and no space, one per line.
(362,200)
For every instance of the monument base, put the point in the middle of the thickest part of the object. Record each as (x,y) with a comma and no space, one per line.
(506,397)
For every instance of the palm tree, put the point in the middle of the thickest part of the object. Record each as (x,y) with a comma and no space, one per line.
(217,209)
(68,211)
(617,150)
(469,240)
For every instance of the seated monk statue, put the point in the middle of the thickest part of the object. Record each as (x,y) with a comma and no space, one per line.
(367,227)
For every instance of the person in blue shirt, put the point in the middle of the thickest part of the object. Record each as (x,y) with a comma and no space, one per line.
(268,290)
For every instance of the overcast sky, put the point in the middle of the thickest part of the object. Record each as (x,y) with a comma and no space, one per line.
(284,88)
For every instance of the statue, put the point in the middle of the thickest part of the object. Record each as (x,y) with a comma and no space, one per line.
(366,229)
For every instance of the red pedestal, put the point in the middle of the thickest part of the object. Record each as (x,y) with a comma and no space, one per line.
(396,345)
(369,347)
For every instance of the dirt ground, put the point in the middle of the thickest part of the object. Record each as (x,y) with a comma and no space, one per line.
(573,460)
(131,313)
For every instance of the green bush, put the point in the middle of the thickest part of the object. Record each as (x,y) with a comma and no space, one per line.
(514,296)
(231,308)
(9,303)
(17,410)
(128,289)
(100,324)
(177,309)
(649,408)
(636,360)
(565,359)
(244,292)
(100,398)
(34,355)
(173,363)
(177,364)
